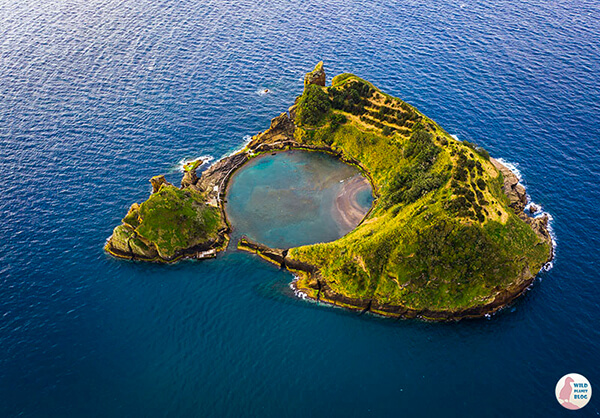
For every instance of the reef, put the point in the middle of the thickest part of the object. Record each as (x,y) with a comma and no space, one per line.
(448,235)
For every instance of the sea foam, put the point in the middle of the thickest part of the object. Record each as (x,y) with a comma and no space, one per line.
(246,140)
(514,167)
(205,160)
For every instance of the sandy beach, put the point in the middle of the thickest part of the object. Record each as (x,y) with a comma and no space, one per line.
(347,211)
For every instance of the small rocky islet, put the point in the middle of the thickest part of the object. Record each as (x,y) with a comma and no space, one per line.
(447,237)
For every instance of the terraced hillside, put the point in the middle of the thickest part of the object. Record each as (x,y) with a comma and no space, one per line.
(444,238)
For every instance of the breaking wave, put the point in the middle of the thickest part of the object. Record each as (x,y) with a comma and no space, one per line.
(181,163)
(514,167)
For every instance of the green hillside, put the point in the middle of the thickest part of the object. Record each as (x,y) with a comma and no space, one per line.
(441,235)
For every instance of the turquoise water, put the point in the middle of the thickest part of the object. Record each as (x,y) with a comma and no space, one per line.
(364,198)
(288,199)
(97,96)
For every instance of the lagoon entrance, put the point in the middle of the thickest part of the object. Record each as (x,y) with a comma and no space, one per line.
(295,198)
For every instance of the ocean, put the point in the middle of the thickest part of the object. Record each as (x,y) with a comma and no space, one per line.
(97,96)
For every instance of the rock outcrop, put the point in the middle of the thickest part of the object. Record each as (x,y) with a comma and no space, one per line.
(157,182)
(190,178)
(172,223)
(512,188)
(316,76)
(539,225)
(281,132)
(517,196)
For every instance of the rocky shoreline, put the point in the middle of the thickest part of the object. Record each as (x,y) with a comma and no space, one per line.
(214,181)
(324,294)
(284,134)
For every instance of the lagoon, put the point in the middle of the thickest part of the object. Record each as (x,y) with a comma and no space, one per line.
(294,198)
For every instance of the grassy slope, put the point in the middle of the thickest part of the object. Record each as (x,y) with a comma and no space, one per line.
(174,219)
(449,241)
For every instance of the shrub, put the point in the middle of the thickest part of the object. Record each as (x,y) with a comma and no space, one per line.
(421,148)
(412,184)
(481,183)
(477,149)
(313,106)
(337,119)
(351,97)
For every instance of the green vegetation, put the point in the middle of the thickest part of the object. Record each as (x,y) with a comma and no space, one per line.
(313,106)
(441,235)
(192,165)
(170,221)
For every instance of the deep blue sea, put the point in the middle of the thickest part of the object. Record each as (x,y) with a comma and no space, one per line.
(97,96)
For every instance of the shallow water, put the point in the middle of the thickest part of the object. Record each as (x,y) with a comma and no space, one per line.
(97,96)
(288,199)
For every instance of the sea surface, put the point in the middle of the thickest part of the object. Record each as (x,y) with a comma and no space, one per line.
(288,199)
(97,96)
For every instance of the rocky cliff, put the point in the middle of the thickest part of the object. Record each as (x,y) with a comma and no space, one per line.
(172,223)
(448,236)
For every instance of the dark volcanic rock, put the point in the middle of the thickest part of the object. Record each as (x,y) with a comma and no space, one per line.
(280,132)
(214,180)
(540,226)
(518,200)
(275,255)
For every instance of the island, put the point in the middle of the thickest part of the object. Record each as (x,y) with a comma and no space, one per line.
(448,235)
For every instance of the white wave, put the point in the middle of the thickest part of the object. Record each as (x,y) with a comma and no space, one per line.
(247,139)
(298,293)
(263,91)
(205,160)
(514,167)
(548,266)
(455,137)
